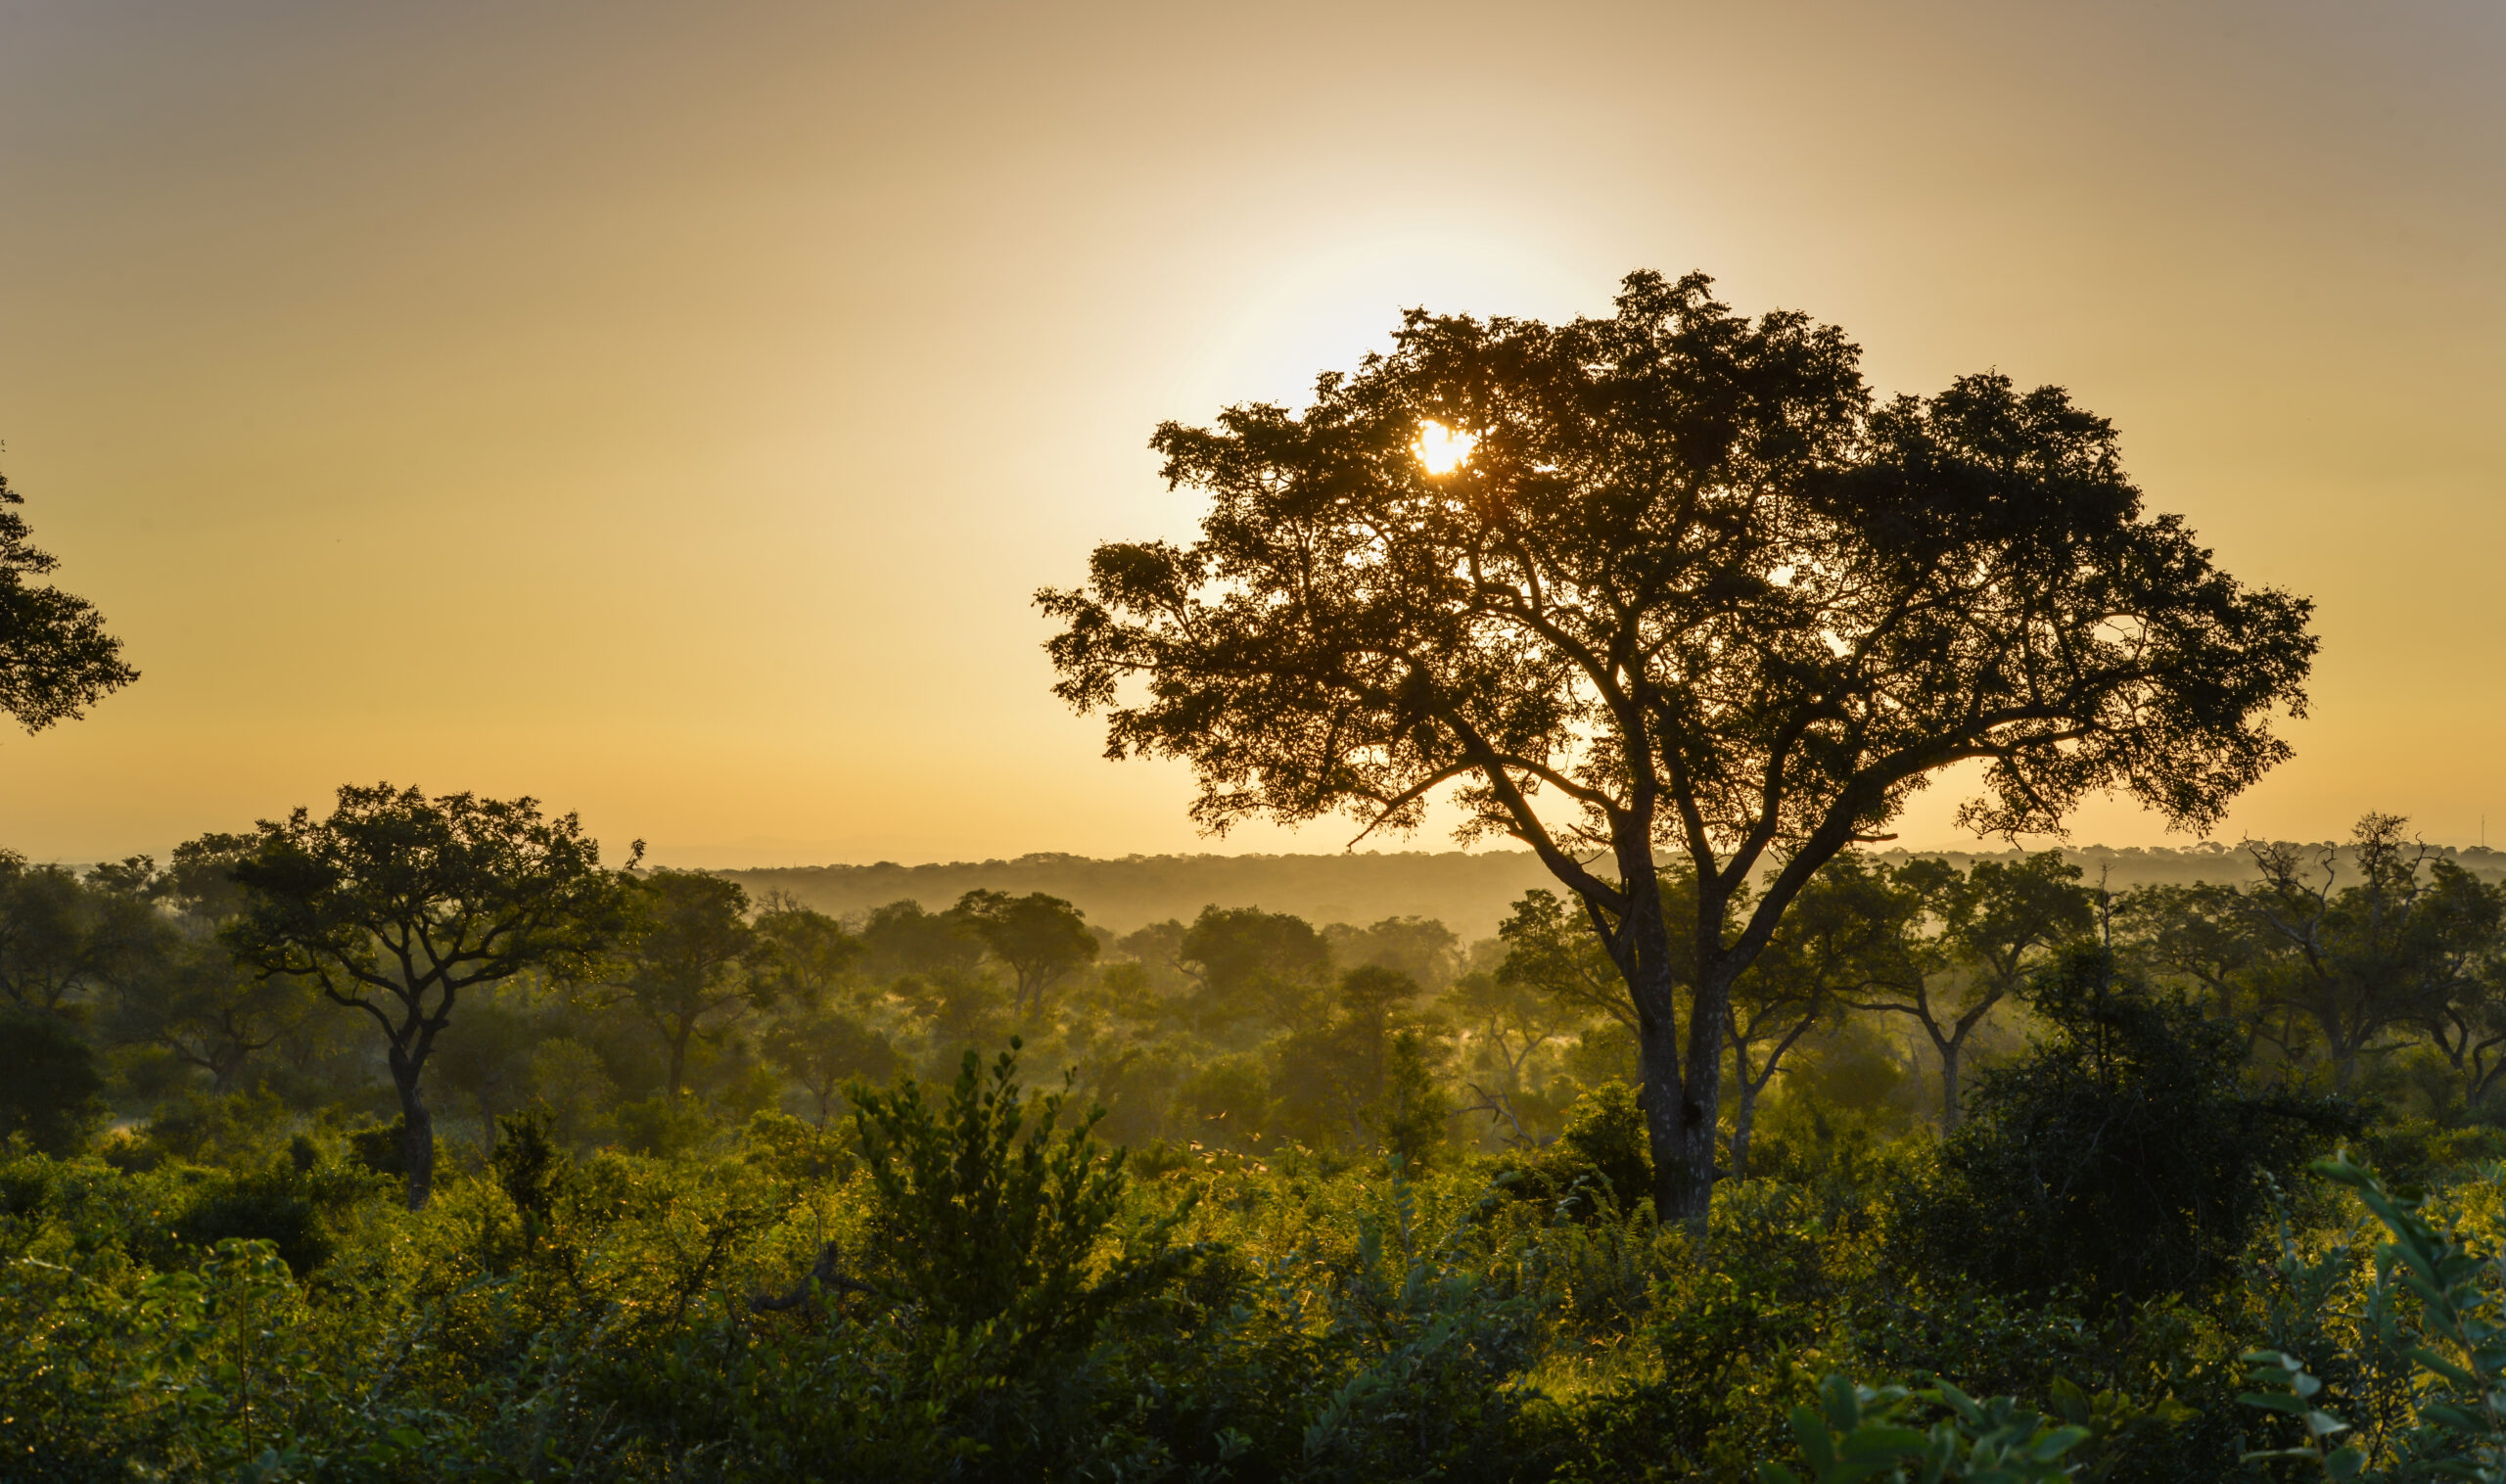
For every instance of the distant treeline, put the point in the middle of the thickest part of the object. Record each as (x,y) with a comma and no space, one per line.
(1469,892)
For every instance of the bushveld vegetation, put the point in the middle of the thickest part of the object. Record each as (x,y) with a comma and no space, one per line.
(715,1187)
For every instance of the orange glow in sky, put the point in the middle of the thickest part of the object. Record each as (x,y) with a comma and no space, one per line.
(669,410)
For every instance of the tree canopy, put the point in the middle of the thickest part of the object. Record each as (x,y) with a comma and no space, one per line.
(686,959)
(1689,586)
(398,902)
(1043,939)
(56,659)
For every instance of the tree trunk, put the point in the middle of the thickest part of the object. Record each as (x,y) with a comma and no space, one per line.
(417,1128)
(1949,1053)
(1743,1119)
(1680,1102)
(677,1061)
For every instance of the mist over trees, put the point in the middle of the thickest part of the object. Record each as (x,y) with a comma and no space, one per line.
(503,967)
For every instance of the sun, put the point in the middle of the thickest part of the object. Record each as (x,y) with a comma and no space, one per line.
(1441,449)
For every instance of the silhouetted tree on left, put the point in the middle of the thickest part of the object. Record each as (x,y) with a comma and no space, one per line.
(398,902)
(56,659)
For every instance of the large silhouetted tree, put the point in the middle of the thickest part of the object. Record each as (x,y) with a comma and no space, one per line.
(1690,588)
(398,902)
(56,659)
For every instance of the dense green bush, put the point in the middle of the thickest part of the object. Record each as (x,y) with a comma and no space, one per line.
(963,1284)
(1600,1165)
(2123,1156)
(50,1091)
(271,1207)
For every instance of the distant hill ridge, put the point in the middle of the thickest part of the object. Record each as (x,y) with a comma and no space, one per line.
(1470,892)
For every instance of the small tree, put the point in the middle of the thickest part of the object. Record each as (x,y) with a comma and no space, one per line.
(2358,959)
(1363,1071)
(1421,948)
(1997,922)
(56,659)
(398,902)
(62,941)
(903,938)
(1846,935)
(1670,580)
(684,959)
(2122,1155)
(991,1213)
(1043,939)
(194,1002)
(1508,1022)
(823,1049)
(2203,933)
(185,993)
(803,955)
(49,1089)
(1246,962)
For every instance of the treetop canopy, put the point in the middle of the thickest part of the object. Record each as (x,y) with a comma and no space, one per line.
(1689,559)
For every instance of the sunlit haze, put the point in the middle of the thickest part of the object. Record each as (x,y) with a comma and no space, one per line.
(669,411)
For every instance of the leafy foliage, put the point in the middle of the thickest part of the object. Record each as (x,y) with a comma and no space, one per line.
(1857,1433)
(992,1217)
(2122,1155)
(49,1085)
(56,659)
(2437,1302)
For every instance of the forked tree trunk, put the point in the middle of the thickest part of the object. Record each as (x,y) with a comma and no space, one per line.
(1950,1051)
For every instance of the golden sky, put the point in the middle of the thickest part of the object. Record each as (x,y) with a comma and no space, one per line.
(668,410)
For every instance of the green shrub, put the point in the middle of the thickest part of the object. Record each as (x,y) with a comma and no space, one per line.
(51,1094)
(272,1207)
(661,1126)
(2418,1152)
(382,1150)
(795,1151)
(2121,1156)
(1856,1433)
(1600,1165)
(982,1218)
(238,1129)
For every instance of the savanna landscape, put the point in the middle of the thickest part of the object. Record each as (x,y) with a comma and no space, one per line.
(1582,949)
